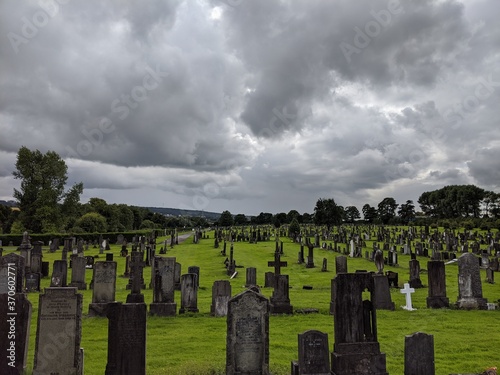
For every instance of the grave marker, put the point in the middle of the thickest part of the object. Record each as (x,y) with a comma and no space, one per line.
(470,290)
(163,287)
(419,354)
(221,294)
(313,353)
(407,291)
(104,287)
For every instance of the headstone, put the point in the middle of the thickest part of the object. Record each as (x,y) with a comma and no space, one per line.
(89,262)
(269,280)
(59,274)
(310,256)
(313,353)
(247,339)
(163,287)
(341,264)
(12,272)
(15,313)
(104,288)
(221,294)
(45,269)
(196,271)
(277,263)
(437,285)
(36,257)
(419,354)
(109,257)
(470,291)
(251,277)
(415,281)
(189,293)
(381,294)
(177,276)
(407,291)
(126,339)
(280,300)
(324,266)
(59,333)
(78,273)
(356,349)
(32,282)
(379,261)
(490,276)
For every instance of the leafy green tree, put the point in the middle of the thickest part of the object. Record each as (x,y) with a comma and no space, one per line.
(293,214)
(369,213)
(453,201)
(387,210)
(240,219)
(294,228)
(147,224)
(41,194)
(17,227)
(406,212)
(307,218)
(351,214)
(92,222)
(327,213)
(282,218)
(226,219)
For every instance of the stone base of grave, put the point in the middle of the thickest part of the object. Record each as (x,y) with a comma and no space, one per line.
(163,309)
(98,309)
(472,304)
(78,285)
(438,302)
(358,359)
(281,308)
(129,286)
(135,298)
(183,310)
(416,283)
(310,263)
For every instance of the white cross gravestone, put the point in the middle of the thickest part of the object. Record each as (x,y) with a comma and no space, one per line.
(408,291)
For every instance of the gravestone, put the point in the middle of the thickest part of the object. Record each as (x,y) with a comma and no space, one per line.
(324,266)
(78,273)
(59,274)
(341,264)
(419,354)
(415,281)
(490,275)
(45,269)
(12,272)
(32,282)
(379,261)
(470,290)
(221,294)
(15,332)
(177,276)
(280,300)
(277,264)
(381,293)
(437,285)
(269,280)
(36,257)
(59,333)
(251,277)
(104,287)
(407,291)
(247,339)
(126,339)
(310,256)
(313,353)
(163,287)
(196,271)
(356,349)
(189,293)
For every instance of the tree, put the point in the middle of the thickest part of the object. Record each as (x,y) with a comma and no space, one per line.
(43,178)
(453,201)
(369,213)
(387,210)
(407,212)
(281,217)
(351,214)
(294,228)
(293,214)
(327,213)
(226,219)
(240,219)
(92,222)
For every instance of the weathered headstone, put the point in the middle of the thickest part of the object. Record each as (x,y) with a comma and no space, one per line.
(59,274)
(15,313)
(437,285)
(32,282)
(269,280)
(310,256)
(177,276)
(59,333)
(470,290)
(126,339)
(415,281)
(490,275)
(221,294)
(313,353)
(36,257)
(280,300)
(196,271)
(12,272)
(163,287)
(78,273)
(419,354)
(251,277)
(341,264)
(381,293)
(324,266)
(356,349)
(104,287)
(247,339)
(189,293)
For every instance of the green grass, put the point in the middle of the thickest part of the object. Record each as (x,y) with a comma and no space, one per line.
(465,341)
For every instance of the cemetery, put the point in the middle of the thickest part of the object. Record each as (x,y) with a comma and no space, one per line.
(359,299)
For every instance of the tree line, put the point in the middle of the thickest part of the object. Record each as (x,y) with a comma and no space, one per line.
(44,206)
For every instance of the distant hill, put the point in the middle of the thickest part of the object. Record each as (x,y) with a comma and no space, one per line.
(179,212)
(8,203)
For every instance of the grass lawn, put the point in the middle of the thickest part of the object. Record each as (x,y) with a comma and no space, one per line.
(465,341)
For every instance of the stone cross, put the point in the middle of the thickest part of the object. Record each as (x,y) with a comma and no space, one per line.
(277,264)
(408,291)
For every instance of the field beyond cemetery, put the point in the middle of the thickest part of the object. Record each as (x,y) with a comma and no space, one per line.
(465,341)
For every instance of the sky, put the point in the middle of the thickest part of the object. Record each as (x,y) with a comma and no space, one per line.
(253,105)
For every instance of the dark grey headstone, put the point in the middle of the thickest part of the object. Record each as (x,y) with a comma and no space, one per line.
(221,294)
(78,273)
(247,339)
(251,277)
(32,282)
(196,271)
(163,287)
(280,300)
(437,285)
(341,264)
(419,354)
(381,293)
(104,287)
(415,281)
(59,332)
(269,280)
(470,290)
(12,273)
(314,358)
(59,274)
